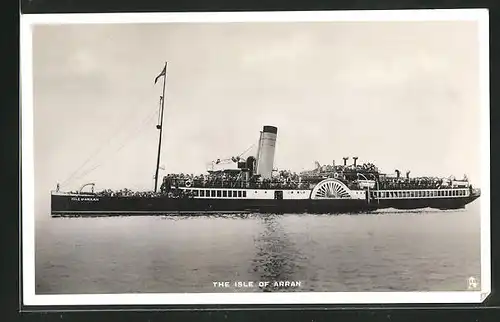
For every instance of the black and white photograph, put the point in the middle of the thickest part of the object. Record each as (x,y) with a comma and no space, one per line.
(255,158)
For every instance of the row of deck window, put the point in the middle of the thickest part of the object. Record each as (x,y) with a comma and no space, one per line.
(374,194)
(418,193)
(218,193)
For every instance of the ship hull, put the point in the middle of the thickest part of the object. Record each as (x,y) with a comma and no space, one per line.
(434,203)
(92,205)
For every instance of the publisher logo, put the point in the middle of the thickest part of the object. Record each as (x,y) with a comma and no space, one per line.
(472,283)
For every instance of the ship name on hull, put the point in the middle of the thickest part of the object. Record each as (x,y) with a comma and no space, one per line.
(84,199)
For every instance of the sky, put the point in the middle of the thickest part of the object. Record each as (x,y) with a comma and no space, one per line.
(402,95)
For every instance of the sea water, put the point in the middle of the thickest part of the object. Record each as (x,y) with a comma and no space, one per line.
(384,251)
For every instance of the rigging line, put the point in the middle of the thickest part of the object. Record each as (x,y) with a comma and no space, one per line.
(130,138)
(134,135)
(96,152)
(247,150)
(239,156)
(110,139)
(144,122)
(102,163)
(139,130)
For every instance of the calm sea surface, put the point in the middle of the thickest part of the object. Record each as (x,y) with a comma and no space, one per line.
(389,251)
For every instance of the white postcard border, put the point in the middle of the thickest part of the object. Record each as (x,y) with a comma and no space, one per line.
(484,80)
(27,162)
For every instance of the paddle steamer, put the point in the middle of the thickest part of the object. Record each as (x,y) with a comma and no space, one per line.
(251,184)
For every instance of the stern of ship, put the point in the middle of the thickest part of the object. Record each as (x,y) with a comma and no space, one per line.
(474,194)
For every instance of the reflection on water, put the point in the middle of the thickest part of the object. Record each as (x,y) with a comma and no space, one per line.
(277,259)
(388,251)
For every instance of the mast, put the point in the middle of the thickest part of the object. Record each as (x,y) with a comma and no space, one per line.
(160,126)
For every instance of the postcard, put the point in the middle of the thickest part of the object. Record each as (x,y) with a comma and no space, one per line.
(321,157)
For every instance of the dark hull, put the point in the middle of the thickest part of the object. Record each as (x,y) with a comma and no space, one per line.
(64,205)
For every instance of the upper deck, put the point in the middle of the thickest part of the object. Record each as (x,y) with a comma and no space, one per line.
(286,180)
(233,182)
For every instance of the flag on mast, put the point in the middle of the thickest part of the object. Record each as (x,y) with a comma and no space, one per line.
(163,72)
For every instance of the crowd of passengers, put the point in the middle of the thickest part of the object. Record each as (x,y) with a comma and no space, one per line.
(328,169)
(282,180)
(414,183)
(127,193)
(291,180)
(365,167)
